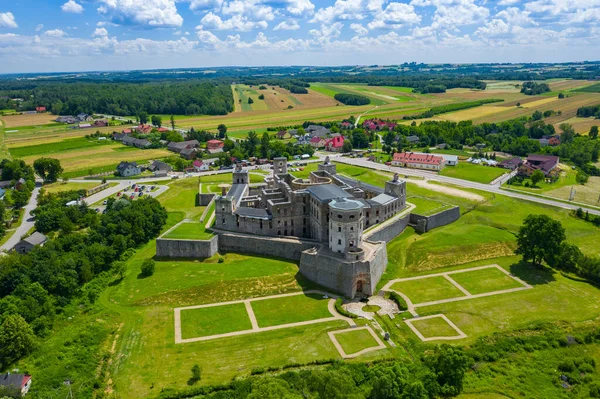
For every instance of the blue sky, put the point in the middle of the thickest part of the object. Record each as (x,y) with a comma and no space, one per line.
(76,35)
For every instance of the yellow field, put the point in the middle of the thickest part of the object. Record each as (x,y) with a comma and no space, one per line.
(587,194)
(581,125)
(543,101)
(52,134)
(471,113)
(27,120)
(91,157)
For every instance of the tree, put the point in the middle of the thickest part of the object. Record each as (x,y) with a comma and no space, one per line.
(48,169)
(449,365)
(119,269)
(228,145)
(347,147)
(196,374)
(537,115)
(148,267)
(261,97)
(568,133)
(143,117)
(540,239)
(561,95)
(173,121)
(536,177)
(222,130)
(250,100)
(265,145)
(16,339)
(157,120)
(593,132)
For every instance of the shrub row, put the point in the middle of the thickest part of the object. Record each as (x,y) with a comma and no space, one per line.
(338,306)
(394,296)
(442,109)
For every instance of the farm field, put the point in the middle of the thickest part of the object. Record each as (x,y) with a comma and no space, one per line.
(12,121)
(473,172)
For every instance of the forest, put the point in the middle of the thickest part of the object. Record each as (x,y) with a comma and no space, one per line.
(122,99)
(534,88)
(36,286)
(591,110)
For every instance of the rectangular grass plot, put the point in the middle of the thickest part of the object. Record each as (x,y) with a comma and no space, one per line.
(354,341)
(214,320)
(290,309)
(428,289)
(485,280)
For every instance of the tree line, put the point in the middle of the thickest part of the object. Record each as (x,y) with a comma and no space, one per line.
(442,109)
(534,88)
(590,110)
(123,99)
(351,99)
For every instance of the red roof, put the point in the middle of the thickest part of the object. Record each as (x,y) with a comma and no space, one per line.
(40,109)
(335,142)
(163,129)
(316,139)
(411,157)
(197,163)
(126,131)
(144,129)
(212,144)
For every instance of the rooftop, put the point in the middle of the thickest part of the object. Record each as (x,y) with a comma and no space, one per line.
(327,192)
(346,204)
(256,213)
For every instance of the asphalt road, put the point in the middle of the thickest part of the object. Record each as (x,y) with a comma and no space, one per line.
(491,188)
(26,224)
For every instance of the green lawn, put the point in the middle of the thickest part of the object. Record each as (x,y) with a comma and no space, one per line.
(425,206)
(485,280)
(428,289)
(190,231)
(434,327)
(292,309)
(472,172)
(214,320)
(60,186)
(50,148)
(355,340)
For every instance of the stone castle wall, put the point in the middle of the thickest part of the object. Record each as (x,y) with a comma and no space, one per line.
(342,275)
(204,198)
(287,248)
(190,249)
(388,232)
(425,223)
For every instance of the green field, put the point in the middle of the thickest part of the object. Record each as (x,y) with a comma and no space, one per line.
(332,89)
(51,148)
(355,341)
(60,186)
(595,88)
(425,206)
(428,289)
(202,322)
(434,327)
(190,231)
(485,280)
(472,172)
(292,309)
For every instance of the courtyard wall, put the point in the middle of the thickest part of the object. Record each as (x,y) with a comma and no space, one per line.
(423,224)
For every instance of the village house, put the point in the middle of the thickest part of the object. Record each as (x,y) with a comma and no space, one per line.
(18,383)
(101,123)
(163,129)
(214,146)
(511,164)
(317,142)
(189,153)
(346,125)
(548,164)
(128,140)
(418,161)
(126,169)
(283,134)
(84,118)
(40,109)
(178,146)
(200,166)
(27,244)
(413,139)
(141,143)
(335,144)
(160,166)
(67,119)
(321,133)
(377,124)
(118,136)
(127,131)
(143,129)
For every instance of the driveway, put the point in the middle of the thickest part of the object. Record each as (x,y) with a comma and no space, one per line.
(26,225)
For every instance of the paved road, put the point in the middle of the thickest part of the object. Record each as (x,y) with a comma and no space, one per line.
(26,224)
(492,188)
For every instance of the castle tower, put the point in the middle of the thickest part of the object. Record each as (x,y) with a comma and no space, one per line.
(240,176)
(327,166)
(280,166)
(345,225)
(396,188)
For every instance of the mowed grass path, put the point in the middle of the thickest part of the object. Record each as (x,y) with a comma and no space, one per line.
(428,289)
(471,172)
(355,341)
(214,320)
(485,280)
(292,309)
(434,327)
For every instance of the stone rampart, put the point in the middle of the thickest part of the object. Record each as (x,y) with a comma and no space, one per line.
(387,232)
(204,198)
(279,247)
(425,223)
(190,249)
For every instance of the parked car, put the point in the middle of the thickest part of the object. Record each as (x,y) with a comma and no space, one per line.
(119,194)
(132,196)
(140,194)
(104,202)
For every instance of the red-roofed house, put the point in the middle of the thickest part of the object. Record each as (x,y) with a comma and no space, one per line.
(283,134)
(127,131)
(40,109)
(16,382)
(418,161)
(317,142)
(143,129)
(162,129)
(335,144)
(346,125)
(200,166)
(214,145)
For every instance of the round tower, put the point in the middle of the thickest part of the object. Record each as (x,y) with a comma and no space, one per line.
(346,225)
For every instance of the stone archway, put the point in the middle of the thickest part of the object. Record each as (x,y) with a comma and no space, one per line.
(360,286)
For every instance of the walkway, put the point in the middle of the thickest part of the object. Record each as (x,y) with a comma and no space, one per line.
(252,317)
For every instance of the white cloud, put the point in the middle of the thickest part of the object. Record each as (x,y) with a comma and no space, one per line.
(212,21)
(100,32)
(72,7)
(39,27)
(249,9)
(327,33)
(342,10)
(300,7)
(514,16)
(143,13)
(359,29)
(55,33)
(395,16)
(508,2)
(450,14)
(291,24)
(201,5)
(7,20)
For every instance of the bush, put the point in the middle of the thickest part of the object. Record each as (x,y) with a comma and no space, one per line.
(338,306)
(148,267)
(567,366)
(394,296)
